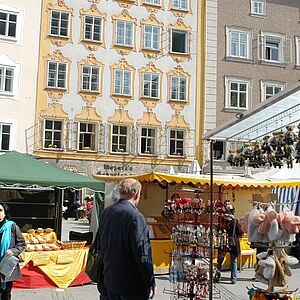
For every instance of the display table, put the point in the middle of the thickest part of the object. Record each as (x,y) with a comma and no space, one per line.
(61,268)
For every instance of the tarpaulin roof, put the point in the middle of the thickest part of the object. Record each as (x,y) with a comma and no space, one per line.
(234,181)
(17,169)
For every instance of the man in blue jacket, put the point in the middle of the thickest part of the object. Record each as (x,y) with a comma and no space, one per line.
(123,239)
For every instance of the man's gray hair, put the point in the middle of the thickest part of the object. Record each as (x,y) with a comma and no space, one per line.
(128,187)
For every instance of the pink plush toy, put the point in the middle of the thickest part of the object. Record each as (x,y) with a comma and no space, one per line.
(266,218)
(243,221)
(291,222)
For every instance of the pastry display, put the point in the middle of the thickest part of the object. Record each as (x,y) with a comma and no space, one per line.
(41,240)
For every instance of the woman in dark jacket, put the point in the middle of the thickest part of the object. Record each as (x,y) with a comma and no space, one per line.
(234,232)
(12,244)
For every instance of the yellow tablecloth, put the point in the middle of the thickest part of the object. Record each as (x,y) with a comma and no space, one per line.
(58,269)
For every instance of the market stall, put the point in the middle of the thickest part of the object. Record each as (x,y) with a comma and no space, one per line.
(33,191)
(157,188)
(266,136)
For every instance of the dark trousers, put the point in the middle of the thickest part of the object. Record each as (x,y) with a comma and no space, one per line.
(113,296)
(6,293)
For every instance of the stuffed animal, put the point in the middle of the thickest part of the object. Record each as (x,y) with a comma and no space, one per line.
(267,260)
(287,261)
(243,221)
(253,235)
(291,222)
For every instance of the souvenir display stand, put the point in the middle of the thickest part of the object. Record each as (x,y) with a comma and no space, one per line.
(190,213)
(272,232)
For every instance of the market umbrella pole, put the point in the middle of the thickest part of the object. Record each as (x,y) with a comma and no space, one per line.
(211,222)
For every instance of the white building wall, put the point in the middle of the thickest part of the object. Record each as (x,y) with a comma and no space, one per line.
(18,108)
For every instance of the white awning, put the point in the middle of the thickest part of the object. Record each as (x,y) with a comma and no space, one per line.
(273,114)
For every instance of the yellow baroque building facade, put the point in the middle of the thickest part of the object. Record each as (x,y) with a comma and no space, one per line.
(120,85)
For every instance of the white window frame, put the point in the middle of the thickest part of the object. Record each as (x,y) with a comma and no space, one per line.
(90,76)
(265,84)
(180,5)
(8,63)
(187,47)
(19,13)
(53,130)
(229,48)
(152,2)
(178,88)
(119,135)
(152,39)
(3,134)
(297,42)
(92,133)
(258,4)
(93,26)
(60,25)
(122,85)
(56,75)
(151,85)
(239,81)
(284,47)
(176,140)
(125,32)
(148,138)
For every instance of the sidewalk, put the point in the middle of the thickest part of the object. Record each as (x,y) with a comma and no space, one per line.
(224,290)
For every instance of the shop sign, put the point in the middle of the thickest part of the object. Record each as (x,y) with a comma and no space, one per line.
(41,259)
(65,257)
(115,170)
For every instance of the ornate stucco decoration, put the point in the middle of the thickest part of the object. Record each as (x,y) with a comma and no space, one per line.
(151,53)
(54,92)
(150,102)
(57,39)
(177,121)
(119,98)
(90,44)
(149,119)
(180,26)
(121,116)
(90,96)
(88,113)
(178,105)
(123,16)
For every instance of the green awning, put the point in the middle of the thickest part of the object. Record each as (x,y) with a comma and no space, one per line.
(17,169)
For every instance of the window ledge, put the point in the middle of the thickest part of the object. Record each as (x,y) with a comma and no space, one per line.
(119,153)
(53,149)
(258,15)
(122,96)
(178,101)
(180,9)
(238,59)
(234,110)
(145,98)
(273,63)
(59,37)
(55,89)
(176,156)
(148,155)
(89,92)
(7,95)
(87,150)
(8,39)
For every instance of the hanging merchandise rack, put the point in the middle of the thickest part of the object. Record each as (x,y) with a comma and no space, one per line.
(195,224)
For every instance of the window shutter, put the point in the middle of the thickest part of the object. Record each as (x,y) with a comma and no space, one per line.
(261,41)
(73,135)
(287,50)
(135,135)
